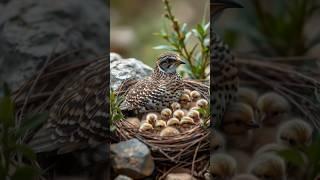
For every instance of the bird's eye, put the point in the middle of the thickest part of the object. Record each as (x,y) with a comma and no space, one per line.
(292,142)
(216,147)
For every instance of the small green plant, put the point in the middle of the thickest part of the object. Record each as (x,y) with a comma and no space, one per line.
(197,56)
(115,110)
(16,158)
(277,31)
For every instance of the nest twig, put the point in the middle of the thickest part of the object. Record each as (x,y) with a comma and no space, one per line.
(290,77)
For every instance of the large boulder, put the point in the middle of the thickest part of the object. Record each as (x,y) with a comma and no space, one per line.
(122,69)
(31,30)
(132,158)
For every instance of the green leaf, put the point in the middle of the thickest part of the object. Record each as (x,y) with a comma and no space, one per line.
(25,151)
(25,173)
(200,30)
(292,156)
(32,122)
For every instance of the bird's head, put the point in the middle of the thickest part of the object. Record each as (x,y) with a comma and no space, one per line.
(217,7)
(168,63)
(239,118)
(272,108)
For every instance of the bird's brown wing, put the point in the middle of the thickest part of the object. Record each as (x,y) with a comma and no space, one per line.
(79,117)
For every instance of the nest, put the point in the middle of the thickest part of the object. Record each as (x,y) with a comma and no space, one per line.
(189,149)
(295,78)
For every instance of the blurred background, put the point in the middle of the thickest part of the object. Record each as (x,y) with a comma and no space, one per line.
(133,24)
(272,28)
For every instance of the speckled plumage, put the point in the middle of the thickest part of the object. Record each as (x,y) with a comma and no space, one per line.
(79,117)
(155,92)
(224,73)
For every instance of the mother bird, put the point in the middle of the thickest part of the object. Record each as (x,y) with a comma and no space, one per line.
(224,75)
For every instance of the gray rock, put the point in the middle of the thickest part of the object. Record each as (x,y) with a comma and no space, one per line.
(122,69)
(132,158)
(31,29)
(123,177)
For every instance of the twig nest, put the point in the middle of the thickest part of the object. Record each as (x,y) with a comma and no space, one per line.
(169,131)
(145,127)
(173,122)
(178,114)
(166,114)
(202,103)
(175,106)
(135,122)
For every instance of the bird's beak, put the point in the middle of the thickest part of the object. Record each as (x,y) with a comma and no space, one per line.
(217,6)
(179,61)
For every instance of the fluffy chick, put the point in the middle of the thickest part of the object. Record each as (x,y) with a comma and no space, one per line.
(145,127)
(186,122)
(178,114)
(151,118)
(273,109)
(202,103)
(166,113)
(160,124)
(248,96)
(295,133)
(187,91)
(222,166)
(173,122)
(175,106)
(268,167)
(185,101)
(194,114)
(237,124)
(169,131)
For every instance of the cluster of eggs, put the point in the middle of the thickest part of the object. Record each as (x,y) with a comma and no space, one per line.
(179,117)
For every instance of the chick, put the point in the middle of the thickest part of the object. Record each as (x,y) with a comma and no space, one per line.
(145,127)
(202,103)
(166,114)
(268,167)
(248,96)
(295,133)
(135,122)
(237,124)
(178,114)
(186,122)
(195,96)
(217,142)
(175,106)
(270,148)
(194,114)
(169,131)
(245,177)
(173,122)
(273,109)
(185,101)
(222,166)
(151,118)
(160,124)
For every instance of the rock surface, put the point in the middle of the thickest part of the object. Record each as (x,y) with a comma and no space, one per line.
(31,29)
(132,158)
(122,69)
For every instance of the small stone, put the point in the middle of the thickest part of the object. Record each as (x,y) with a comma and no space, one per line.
(132,158)
(123,177)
